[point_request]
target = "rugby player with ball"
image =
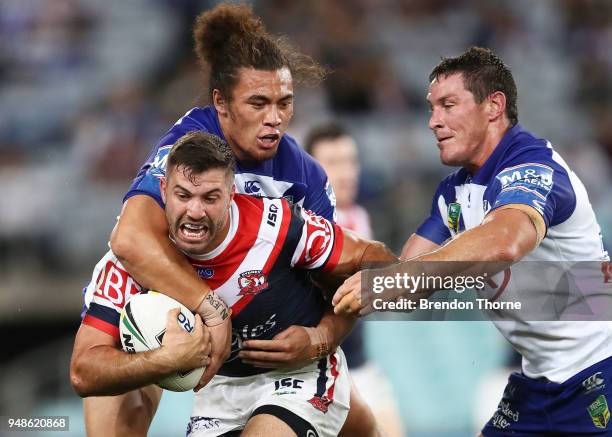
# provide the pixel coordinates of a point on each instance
(253, 252)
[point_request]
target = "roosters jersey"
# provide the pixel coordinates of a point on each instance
(526, 170)
(255, 270)
(292, 173)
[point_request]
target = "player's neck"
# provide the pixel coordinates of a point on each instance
(242, 158)
(495, 133)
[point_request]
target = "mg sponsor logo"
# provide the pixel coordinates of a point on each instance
(532, 174)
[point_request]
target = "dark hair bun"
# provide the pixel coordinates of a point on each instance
(224, 30)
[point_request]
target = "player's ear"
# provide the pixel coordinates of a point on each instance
(219, 102)
(163, 183)
(496, 105)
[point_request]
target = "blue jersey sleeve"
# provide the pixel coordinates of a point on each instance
(434, 228)
(147, 179)
(537, 180)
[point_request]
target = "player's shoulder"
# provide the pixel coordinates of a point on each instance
(293, 158)
(525, 147)
(249, 204)
(203, 119)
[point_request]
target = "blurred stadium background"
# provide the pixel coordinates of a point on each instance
(88, 86)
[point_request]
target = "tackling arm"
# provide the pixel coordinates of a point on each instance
(417, 245)
(505, 236)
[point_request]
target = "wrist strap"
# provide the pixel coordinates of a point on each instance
(319, 342)
(213, 310)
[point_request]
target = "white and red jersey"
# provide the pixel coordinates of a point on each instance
(259, 270)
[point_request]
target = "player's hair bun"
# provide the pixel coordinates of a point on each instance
(225, 29)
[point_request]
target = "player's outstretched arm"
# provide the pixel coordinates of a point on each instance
(417, 245)
(99, 368)
(505, 236)
(140, 241)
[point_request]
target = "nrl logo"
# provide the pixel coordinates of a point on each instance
(599, 412)
(252, 282)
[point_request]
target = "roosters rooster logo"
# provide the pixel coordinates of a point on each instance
(252, 282)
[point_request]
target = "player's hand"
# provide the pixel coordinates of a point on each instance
(221, 336)
(348, 298)
(186, 350)
(289, 348)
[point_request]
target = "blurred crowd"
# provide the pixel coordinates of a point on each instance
(88, 86)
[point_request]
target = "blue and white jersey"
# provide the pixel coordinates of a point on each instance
(292, 173)
(526, 170)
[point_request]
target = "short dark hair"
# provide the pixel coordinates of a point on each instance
(483, 74)
(229, 37)
(323, 132)
(197, 152)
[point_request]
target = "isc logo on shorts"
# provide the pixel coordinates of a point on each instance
(290, 385)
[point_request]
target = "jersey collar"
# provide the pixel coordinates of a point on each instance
(484, 174)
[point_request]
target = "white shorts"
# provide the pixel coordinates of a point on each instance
(318, 394)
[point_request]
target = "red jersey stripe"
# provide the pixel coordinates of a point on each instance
(225, 264)
(334, 373)
(102, 325)
(278, 245)
(334, 256)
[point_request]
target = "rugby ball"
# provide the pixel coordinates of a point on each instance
(142, 325)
